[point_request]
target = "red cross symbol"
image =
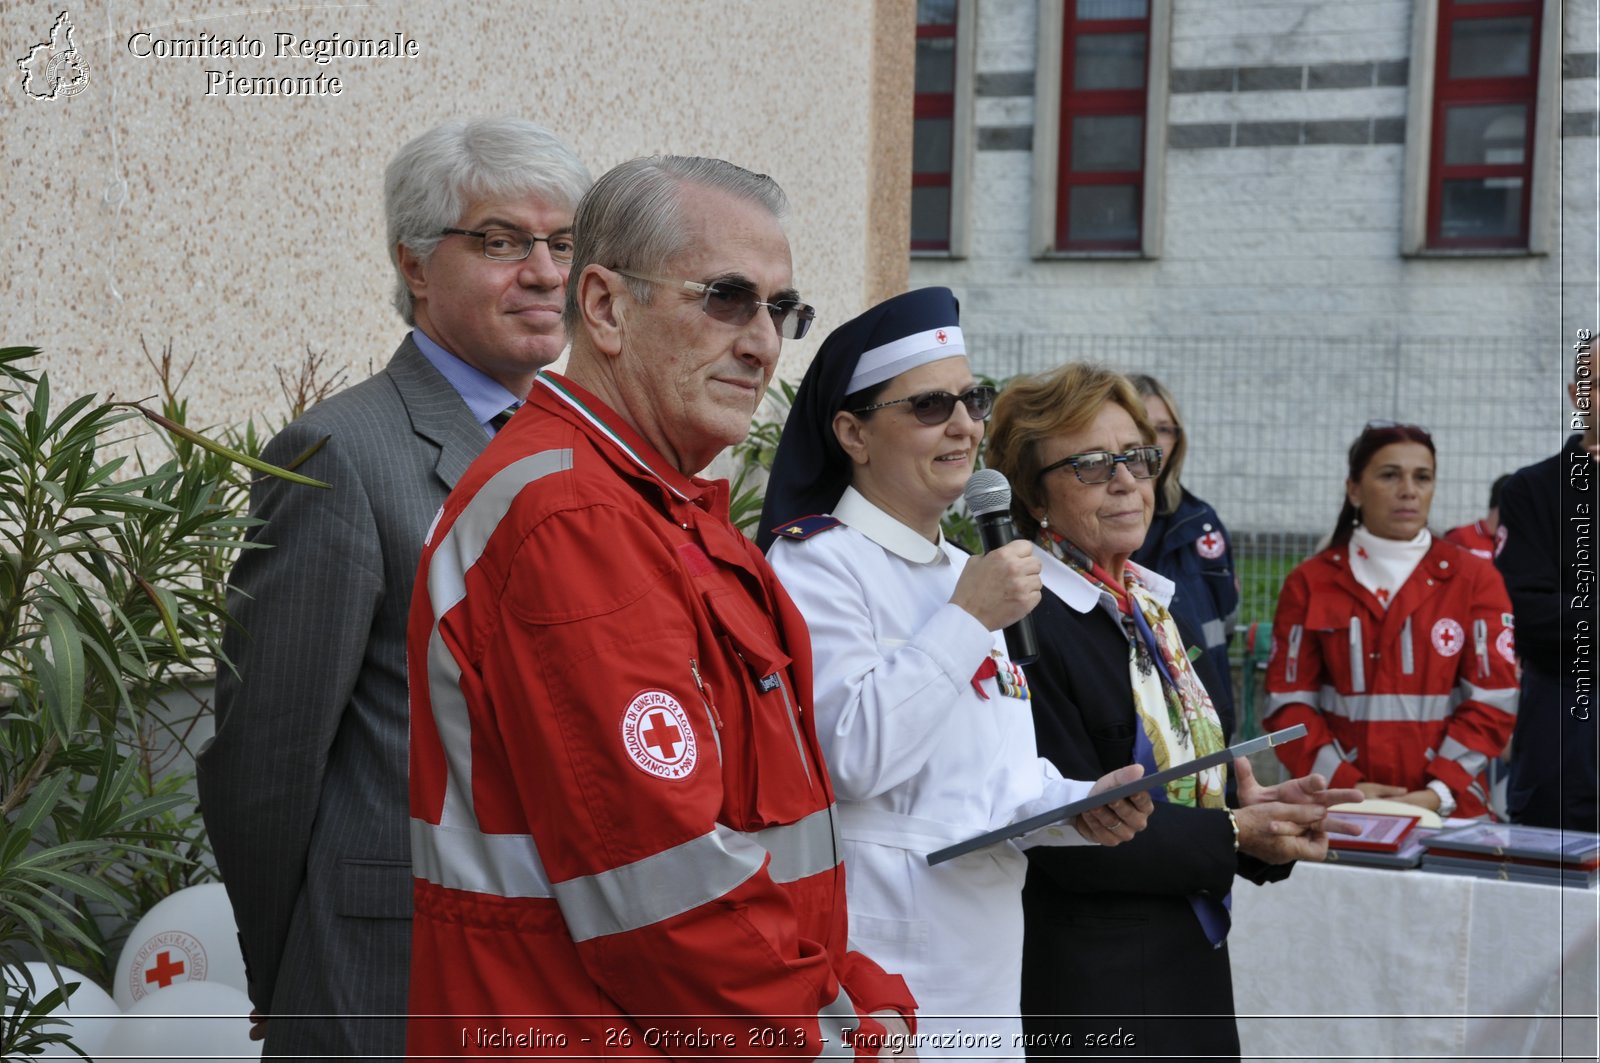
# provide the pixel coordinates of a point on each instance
(1210, 545)
(1361, 552)
(1447, 636)
(165, 971)
(941, 336)
(662, 736)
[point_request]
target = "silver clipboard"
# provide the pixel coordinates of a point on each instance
(1116, 793)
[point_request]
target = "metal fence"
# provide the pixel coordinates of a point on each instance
(1269, 421)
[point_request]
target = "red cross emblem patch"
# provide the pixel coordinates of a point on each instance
(942, 336)
(1211, 545)
(658, 736)
(1506, 643)
(167, 957)
(1448, 637)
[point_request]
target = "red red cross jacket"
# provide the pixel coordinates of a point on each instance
(620, 818)
(1424, 690)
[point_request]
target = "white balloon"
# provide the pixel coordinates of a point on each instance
(187, 937)
(89, 1011)
(207, 1020)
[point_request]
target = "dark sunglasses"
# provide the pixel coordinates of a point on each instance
(735, 304)
(1099, 466)
(935, 407)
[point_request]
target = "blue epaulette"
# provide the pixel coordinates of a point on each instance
(806, 527)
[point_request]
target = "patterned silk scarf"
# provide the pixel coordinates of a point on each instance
(1177, 720)
(1176, 714)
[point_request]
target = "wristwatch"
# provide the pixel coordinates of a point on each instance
(1447, 800)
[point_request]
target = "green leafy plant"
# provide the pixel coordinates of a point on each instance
(111, 597)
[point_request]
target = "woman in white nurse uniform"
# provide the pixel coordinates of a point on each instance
(924, 720)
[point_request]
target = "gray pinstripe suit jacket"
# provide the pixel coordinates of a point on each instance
(304, 787)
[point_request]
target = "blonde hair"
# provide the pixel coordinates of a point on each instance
(1169, 489)
(1032, 409)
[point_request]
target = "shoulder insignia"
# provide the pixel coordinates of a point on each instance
(806, 527)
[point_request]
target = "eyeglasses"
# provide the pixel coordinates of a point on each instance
(514, 245)
(1099, 466)
(736, 304)
(935, 407)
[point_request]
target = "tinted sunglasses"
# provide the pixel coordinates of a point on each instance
(1099, 466)
(735, 304)
(935, 407)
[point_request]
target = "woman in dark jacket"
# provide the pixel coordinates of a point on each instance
(1130, 939)
(1188, 544)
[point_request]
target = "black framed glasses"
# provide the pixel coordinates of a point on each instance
(1099, 466)
(736, 304)
(935, 407)
(514, 245)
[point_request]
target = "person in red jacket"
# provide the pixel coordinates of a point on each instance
(1394, 648)
(623, 831)
(1482, 536)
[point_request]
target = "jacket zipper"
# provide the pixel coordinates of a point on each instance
(794, 726)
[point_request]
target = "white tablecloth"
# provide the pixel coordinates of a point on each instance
(1343, 962)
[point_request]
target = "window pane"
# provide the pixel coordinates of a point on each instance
(1491, 48)
(1102, 143)
(930, 216)
(936, 64)
(930, 146)
(1108, 61)
(1102, 10)
(936, 12)
(1103, 212)
(1492, 135)
(1484, 208)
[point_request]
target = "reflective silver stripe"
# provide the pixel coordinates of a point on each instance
(1327, 760)
(799, 850)
(832, 1022)
(460, 549)
(1477, 791)
(1472, 762)
(1503, 699)
(1289, 697)
(1214, 633)
(1291, 667)
(502, 865)
(1387, 708)
(1358, 657)
(1480, 643)
(1408, 659)
(660, 886)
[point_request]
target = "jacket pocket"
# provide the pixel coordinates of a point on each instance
(770, 776)
(374, 889)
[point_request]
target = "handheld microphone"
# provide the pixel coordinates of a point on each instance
(988, 497)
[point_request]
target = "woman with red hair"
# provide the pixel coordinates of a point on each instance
(1393, 647)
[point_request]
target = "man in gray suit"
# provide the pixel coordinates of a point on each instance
(304, 788)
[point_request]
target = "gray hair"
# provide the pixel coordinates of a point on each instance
(428, 182)
(632, 218)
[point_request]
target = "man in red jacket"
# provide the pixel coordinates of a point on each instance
(623, 830)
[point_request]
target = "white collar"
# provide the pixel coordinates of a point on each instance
(855, 511)
(1081, 595)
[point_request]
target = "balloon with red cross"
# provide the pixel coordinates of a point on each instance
(189, 936)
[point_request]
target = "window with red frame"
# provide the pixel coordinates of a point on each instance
(933, 138)
(1104, 77)
(1486, 67)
